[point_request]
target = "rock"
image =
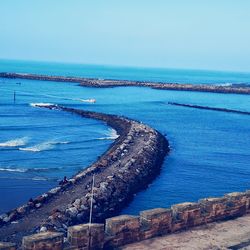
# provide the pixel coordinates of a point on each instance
(83, 207)
(72, 211)
(54, 190)
(6, 219)
(77, 203)
(22, 209)
(44, 195)
(13, 215)
(103, 186)
(43, 229)
(2, 216)
(38, 205)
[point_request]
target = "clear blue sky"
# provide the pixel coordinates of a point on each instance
(208, 34)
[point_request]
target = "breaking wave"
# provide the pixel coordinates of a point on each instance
(42, 104)
(43, 146)
(15, 142)
(112, 135)
(28, 170)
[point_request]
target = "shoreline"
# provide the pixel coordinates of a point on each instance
(104, 83)
(128, 166)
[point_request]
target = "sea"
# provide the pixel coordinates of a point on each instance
(209, 153)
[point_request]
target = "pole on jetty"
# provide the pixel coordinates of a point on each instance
(91, 210)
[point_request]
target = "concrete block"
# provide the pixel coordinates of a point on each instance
(7, 246)
(86, 236)
(124, 229)
(155, 222)
(43, 241)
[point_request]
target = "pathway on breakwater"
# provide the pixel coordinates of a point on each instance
(129, 165)
(232, 234)
(104, 83)
(210, 108)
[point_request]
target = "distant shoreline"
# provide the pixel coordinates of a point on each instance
(104, 83)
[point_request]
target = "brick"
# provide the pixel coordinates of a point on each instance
(43, 241)
(85, 235)
(7, 246)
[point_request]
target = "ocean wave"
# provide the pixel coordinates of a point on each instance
(35, 178)
(111, 135)
(44, 146)
(15, 142)
(40, 104)
(39, 147)
(38, 178)
(29, 170)
(86, 100)
(227, 84)
(18, 170)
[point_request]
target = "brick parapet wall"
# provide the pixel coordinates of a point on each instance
(125, 229)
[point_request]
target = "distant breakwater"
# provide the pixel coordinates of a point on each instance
(210, 108)
(129, 165)
(107, 83)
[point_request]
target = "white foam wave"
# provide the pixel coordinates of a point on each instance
(43, 146)
(40, 104)
(39, 147)
(111, 135)
(87, 100)
(19, 170)
(39, 179)
(15, 142)
(227, 84)
(25, 170)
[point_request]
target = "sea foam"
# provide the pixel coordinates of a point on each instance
(18, 170)
(40, 104)
(29, 170)
(43, 146)
(111, 135)
(15, 142)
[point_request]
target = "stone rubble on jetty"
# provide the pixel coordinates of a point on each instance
(130, 164)
(105, 83)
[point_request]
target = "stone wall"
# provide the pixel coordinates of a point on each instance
(125, 229)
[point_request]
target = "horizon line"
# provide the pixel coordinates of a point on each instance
(123, 66)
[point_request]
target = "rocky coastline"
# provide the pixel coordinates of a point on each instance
(107, 83)
(129, 165)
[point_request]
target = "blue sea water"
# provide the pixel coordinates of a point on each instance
(126, 73)
(209, 150)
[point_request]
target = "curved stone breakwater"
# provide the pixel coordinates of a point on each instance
(105, 83)
(130, 164)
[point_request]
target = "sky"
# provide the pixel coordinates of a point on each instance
(195, 34)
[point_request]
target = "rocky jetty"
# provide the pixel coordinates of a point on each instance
(129, 165)
(105, 83)
(210, 108)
